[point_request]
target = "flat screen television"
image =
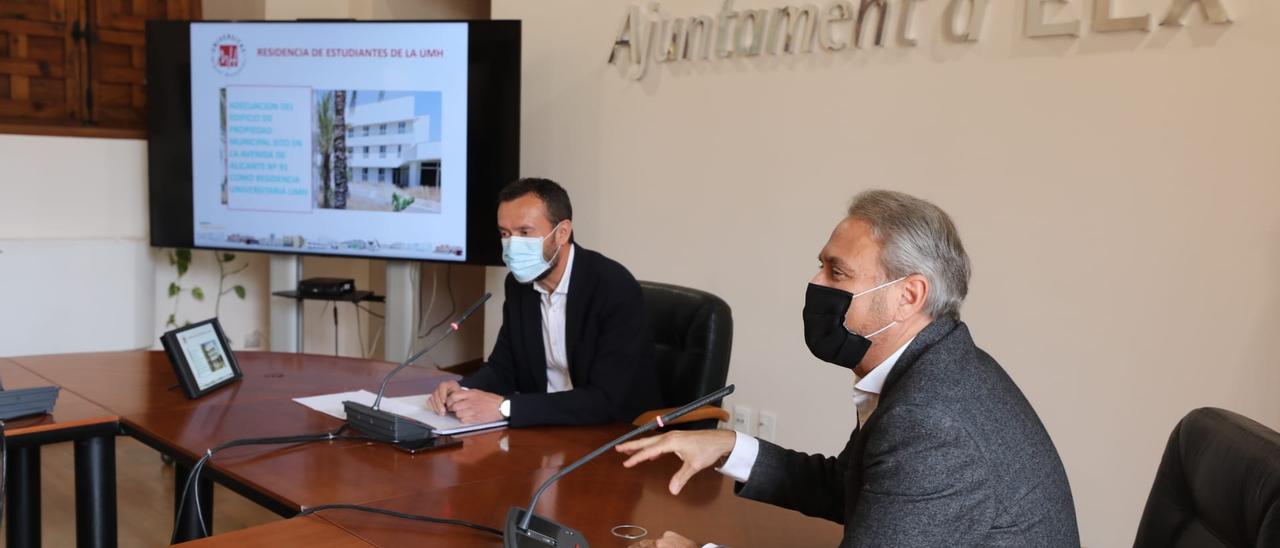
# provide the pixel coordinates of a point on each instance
(367, 139)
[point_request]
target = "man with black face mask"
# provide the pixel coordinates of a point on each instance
(947, 451)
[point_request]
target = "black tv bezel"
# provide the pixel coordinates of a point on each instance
(493, 134)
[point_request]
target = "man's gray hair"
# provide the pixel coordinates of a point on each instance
(917, 237)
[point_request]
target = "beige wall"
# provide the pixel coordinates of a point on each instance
(1117, 194)
(420, 9)
(234, 9)
(84, 228)
(73, 227)
(355, 9)
(72, 188)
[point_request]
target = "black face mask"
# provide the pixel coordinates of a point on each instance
(824, 331)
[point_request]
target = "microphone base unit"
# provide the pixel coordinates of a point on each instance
(542, 533)
(384, 426)
(21, 402)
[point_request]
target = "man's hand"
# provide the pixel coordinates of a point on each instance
(698, 450)
(475, 406)
(439, 400)
(668, 540)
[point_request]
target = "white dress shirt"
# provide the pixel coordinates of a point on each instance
(553, 343)
(866, 392)
(866, 395)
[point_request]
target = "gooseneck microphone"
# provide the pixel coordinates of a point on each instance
(524, 529)
(389, 427)
(453, 326)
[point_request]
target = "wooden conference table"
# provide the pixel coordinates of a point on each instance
(130, 392)
(93, 429)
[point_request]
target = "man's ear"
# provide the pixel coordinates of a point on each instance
(568, 231)
(911, 297)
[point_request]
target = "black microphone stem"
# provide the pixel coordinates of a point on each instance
(649, 426)
(453, 326)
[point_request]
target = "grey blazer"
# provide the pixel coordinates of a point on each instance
(954, 455)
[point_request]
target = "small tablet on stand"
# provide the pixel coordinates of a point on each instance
(201, 357)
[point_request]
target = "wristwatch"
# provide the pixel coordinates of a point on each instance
(505, 409)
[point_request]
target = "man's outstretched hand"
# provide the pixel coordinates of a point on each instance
(698, 449)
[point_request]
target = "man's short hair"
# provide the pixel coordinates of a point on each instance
(917, 237)
(553, 196)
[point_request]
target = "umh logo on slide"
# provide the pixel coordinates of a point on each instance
(227, 55)
(227, 58)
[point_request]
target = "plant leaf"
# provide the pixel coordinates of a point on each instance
(228, 257)
(399, 203)
(174, 289)
(173, 322)
(197, 293)
(184, 260)
(240, 292)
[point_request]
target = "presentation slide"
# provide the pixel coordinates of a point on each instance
(331, 138)
(206, 356)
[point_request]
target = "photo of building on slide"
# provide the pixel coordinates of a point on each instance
(377, 150)
(213, 355)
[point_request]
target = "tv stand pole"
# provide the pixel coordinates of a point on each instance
(401, 304)
(402, 300)
(286, 314)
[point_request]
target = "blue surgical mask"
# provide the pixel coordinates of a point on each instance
(523, 256)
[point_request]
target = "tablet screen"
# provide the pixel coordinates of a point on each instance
(205, 355)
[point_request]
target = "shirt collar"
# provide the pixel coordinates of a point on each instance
(563, 288)
(874, 381)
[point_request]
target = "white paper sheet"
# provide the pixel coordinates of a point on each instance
(414, 407)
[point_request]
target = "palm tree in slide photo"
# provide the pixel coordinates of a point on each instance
(324, 137)
(222, 123)
(340, 174)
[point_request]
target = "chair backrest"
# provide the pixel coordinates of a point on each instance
(693, 335)
(1218, 485)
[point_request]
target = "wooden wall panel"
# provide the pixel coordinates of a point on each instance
(74, 64)
(118, 71)
(40, 61)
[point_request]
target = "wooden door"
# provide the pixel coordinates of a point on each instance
(41, 53)
(117, 70)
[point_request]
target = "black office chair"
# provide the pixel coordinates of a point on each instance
(1218, 485)
(693, 335)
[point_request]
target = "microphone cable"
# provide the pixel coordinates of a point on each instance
(402, 515)
(192, 485)
(4, 469)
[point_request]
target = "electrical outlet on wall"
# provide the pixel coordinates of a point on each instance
(253, 340)
(743, 420)
(767, 428)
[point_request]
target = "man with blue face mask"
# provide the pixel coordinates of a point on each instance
(946, 450)
(575, 346)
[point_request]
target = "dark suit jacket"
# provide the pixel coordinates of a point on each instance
(607, 340)
(952, 456)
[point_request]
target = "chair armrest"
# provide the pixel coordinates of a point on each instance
(705, 412)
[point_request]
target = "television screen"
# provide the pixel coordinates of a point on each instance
(373, 139)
